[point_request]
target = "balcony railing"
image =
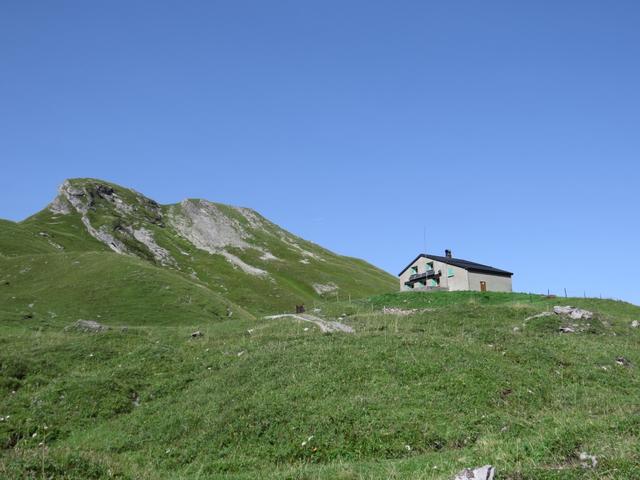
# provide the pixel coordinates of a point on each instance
(420, 276)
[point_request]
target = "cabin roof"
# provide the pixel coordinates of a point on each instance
(459, 262)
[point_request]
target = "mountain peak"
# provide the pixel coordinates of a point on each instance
(233, 250)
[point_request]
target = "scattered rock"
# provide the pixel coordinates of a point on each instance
(623, 362)
(588, 461)
(401, 312)
(268, 256)
(89, 326)
(634, 324)
(481, 473)
(321, 289)
(326, 326)
(573, 312)
(567, 330)
(197, 334)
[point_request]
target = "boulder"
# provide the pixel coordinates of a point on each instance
(89, 326)
(588, 461)
(634, 324)
(623, 362)
(481, 473)
(197, 334)
(573, 312)
(567, 330)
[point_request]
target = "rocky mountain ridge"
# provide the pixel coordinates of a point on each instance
(233, 250)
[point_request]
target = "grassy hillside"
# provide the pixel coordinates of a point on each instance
(53, 290)
(441, 382)
(17, 240)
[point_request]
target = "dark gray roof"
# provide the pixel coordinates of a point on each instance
(459, 262)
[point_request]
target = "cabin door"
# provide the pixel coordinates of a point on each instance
(483, 286)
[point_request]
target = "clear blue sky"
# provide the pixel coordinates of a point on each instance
(511, 130)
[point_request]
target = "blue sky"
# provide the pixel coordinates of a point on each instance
(509, 130)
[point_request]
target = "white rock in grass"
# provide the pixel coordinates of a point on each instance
(481, 473)
(573, 312)
(588, 461)
(635, 324)
(90, 326)
(567, 330)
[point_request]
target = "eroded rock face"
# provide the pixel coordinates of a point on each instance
(60, 206)
(206, 227)
(85, 197)
(209, 229)
(125, 221)
(161, 255)
(71, 197)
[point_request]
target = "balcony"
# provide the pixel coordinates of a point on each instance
(423, 276)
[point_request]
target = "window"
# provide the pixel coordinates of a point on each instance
(450, 272)
(430, 266)
(414, 270)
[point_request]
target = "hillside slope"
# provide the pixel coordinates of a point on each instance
(235, 252)
(54, 290)
(428, 384)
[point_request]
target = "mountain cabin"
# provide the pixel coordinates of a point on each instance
(433, 272)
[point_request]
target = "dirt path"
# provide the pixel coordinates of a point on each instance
(324, 325)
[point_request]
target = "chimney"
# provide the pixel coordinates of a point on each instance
(447, 253)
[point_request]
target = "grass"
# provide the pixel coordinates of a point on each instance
(464, 383)
(48, 291)
(445, 381)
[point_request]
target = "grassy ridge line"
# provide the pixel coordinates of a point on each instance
(417, 396)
